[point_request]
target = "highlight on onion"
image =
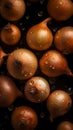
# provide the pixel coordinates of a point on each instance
(63, 40)
(65, 125)
(24, 118)
(59, 103)
(39, 37)
(10, 34)
(37, 89)
(60, 9)
(12, 10)
(8, 91)
(22, 64)
(54, 64)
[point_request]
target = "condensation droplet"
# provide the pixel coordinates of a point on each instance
(30, 73)
(25, 75)
(46, 55)
(40, 46)
(11, 108)
(70, 91)
(54, 29)
(40, 14)
(31, 32)
(27, 17)
(21, 24)
(41, 1)
(23, 29)
(56, 94)
(42, 114)
(53, 87)
(61, 3)
(42, 93)
(46, 62)
(52, 81)
(31, 82)
(39, 100)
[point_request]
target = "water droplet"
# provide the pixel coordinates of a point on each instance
(61, 3)
(46, 62)
(70, 91)
(11, 108)
(21, 24)
(42, 114)
(54, 29)
(56, 94)
(42, 93)
(40, 46)
(41, 1)
(30, 73)
(23, 29)
(52, 81)
(53, 68)
(53, 87)
(46, 55)
(40, 14)
(39, 100)
(31, 83)
(31, 32)
(25, 75)
(27, 17)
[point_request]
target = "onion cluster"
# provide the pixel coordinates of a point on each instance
(30, 57)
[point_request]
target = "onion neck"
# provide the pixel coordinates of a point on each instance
(68, 72)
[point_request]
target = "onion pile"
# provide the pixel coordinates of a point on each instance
(36, 68)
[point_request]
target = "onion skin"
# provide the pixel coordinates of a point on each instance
(24, 118)
(63, 40)
(22, 64)
(8, 91)
(65, 125)
(54, 64)
(60, 10)
(37, 89)
(39, 37)
(10, 34)
(12, 10)
(58, 103)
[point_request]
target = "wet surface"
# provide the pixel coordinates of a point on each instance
(35, 13)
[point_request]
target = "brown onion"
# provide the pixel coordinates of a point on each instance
(60, 9)
(65, 125)
(37, 89)
(22, 64)
(39, 36)
(53, 64)
(63, 40)
(10, 34)
(24, 118)
(8, 91)
(58, 103)
(12, 10)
